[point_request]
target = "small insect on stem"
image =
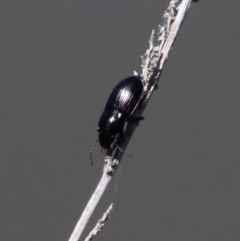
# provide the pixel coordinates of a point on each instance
(120, 106)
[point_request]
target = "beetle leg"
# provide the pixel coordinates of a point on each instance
(123, 150)
(136, 118)
(119, 138)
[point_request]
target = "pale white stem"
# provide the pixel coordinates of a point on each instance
(174, 29)
(153, 62)
(91, 206)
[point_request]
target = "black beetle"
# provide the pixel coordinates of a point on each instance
(119, 108)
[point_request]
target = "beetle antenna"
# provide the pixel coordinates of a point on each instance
(93, 148)
(123, 150)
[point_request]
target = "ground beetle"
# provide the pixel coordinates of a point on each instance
(119, 108)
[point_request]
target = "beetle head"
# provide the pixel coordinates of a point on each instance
(106, 139)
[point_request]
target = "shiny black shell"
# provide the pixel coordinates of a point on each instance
(121, 103)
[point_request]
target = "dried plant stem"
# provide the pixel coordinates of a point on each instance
(90, 207)
(153, 62)
(100, 224)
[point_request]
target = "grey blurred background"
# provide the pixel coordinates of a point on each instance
(59, 62)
